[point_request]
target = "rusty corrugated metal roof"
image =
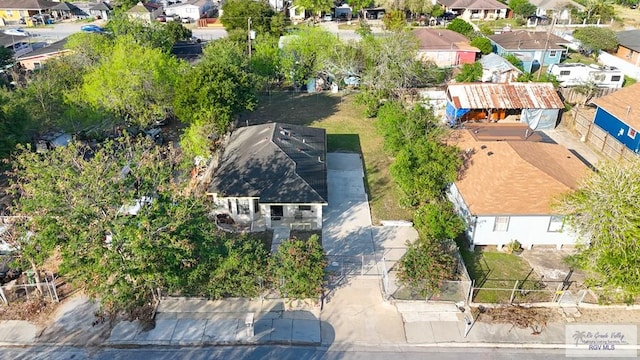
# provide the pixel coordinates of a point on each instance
(504, 96)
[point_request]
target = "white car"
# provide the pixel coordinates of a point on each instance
(327, 17)
(16, 32)
(187, 20)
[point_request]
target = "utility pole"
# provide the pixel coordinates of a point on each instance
(249, 35)
(546, 46)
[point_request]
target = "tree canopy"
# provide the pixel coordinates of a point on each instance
(522, 8)
(315, 6)
(596, 38)
(236, 13)
(460, 26)
(470, 72)
(484, 44)
(147, 93)
(605, 211)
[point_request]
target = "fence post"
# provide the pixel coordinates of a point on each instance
(470, 294)
(4, 298)
(513, 292)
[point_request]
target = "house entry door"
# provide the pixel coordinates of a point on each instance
(277, 212)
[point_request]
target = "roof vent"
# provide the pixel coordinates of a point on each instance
(490, 153)
(483, 147)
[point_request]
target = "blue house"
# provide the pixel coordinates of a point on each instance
(619, 115)
(530, 47)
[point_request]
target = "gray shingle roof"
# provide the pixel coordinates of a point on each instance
(278, 163)
(629, 39)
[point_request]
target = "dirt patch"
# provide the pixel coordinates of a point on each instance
(518, 316)
(35, 309)
(604, 316)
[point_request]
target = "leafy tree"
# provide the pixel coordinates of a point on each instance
(599, 10)
(265, 61)
(425, 265)
(437, 10)
(394, 20)
(300, 264)
(217, 88)
(146, 94)
(484, 44)
(14, 122)
(146, 34)
(358, 5)
(314, 6)
(544, 77)
(423, 169)
(514, 60)
(470, 73)
(596, 38)
(87, 49)
(522, 8)
(460, 26)
(306, 53)
(236, 13)
(604, 211)
(400, 126)
(177, 32)
(437, 220)
(345, 60)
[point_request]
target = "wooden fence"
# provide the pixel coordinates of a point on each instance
(570, 95)
(600, 139)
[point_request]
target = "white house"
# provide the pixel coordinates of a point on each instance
(559, 9)
(273, 175)
(476, 9)
(297, 13)
(509, 184)
(146, 12)
(192, 9)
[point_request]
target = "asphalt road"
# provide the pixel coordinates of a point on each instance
(278, 352)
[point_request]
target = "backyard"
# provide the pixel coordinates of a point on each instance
(347, 130)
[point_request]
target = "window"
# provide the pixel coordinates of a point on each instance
(553, 53)
(243, 206)
(9, 14)
(555, 224)
(631, 133)
(501, 224)
(615, 78)
(565, 73)
(304, 207)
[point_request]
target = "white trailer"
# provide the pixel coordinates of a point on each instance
(574, 74)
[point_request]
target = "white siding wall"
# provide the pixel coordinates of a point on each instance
(186, 11)
(528, 230)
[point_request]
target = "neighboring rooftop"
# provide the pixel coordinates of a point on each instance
(529, 40)
(473, 4)
(623, 104)
(629, 39)
(556, 4)
(515, 177)
(52, 48)
(144, 8)
(442, 40)
(278, 163)
(504, 96)
(101, 6)
(497, 62)
(27, 4)
(189, 2)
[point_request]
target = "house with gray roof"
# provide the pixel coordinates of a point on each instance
(273, 175)
(476, 9)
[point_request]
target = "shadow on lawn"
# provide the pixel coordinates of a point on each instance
(291, 108)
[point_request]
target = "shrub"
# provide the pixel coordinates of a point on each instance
(483, 44)
(438, 221)
(425, 265)
(300, 265)
(460, 26)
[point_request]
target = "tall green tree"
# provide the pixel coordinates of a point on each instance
(306, 53)
(605, 211)
(236, 14)
(596, 38)
(425, 265)
(177, 32)
(144, 33)
(314, 6)
(470, 72)
(147, 93)
(394, 20)
(483, 44)
(522, 8)
(400, 126)
(460, 26)
(212, 92)
(423, 169)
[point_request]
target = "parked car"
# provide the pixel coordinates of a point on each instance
(92, 28)
(187, 20)
(42, 19)
(161, 18)
(16, 32)
(327, 17)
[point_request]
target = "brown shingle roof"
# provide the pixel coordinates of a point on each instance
(518, 178)
(442, 40)
(26, 4)
(504, 96)
(528, 40)
(473, 4)
(621, 101)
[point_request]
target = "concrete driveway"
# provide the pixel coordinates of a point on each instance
(346, 223)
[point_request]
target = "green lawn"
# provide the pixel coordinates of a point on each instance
(347, 130)
(576, 57)
(492, 269)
